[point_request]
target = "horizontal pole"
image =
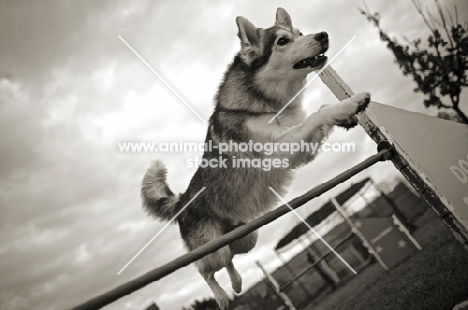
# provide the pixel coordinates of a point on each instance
(239, 232)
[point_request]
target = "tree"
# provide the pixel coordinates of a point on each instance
(439, 66)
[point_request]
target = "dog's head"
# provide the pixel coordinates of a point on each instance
(282, 49)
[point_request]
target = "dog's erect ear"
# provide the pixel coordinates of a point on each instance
(250, 37)
(248, 33)
(283, 19)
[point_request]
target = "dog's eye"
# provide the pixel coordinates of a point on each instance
(282, 41)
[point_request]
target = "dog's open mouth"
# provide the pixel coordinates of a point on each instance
(311, 62)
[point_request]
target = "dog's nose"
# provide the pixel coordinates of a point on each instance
(321, 36)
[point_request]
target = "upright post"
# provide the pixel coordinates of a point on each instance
(272, 281)
(356, 231)
(404, 230)
(327, 273)
(285, 264)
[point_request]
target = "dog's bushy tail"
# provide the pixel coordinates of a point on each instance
(158, 200)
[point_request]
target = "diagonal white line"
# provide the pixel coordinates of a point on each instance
(311, 80)
(162, 79)
(159, 232)
(313, 230)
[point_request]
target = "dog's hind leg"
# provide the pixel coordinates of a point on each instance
(208, 265)
(236, 279)
(244, 244)
(221, 297)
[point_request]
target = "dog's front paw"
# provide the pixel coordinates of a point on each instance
(348, 123)
(346, 117)
(361, 101)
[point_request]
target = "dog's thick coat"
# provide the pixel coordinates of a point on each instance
(267, 73)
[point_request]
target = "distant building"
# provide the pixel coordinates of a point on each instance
(152, 306)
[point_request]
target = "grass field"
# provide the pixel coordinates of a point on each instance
(434, 279)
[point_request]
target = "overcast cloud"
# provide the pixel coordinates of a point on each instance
(70, 90)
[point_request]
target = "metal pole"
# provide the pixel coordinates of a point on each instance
(385, 152)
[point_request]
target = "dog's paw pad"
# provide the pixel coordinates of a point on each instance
(348, 123)
(237, 286)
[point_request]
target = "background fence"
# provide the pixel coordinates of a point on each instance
(301, 278)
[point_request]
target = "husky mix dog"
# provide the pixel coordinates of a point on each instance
(268, 72)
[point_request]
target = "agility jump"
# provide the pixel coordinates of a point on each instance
(448, 202)
(417, 138)
(385, 152)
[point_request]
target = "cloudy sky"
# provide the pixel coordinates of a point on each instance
(70, 90)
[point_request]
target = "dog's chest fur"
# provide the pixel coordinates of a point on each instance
(243, 194)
